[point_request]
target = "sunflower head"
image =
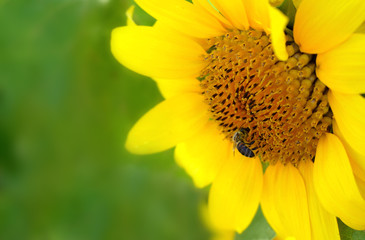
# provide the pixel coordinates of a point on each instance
(282, 104)
(235, 76)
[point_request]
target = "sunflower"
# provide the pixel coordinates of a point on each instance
(243, 91)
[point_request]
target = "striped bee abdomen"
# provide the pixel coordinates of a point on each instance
(244, 150)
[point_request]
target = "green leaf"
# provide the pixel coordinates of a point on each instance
(288, 8)
(348, 233)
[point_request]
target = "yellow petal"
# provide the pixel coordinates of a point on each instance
(349, 112)
(284, 202)
(172, 87)
(335, 184)
(129, 13)
(343, 69)
(287, 238)
(323, 224)
(168, 123)
(224, 235)
(278, 23)
(234, 11)
(203, 155)
(276, 3)
(217, 234)
(321, 25)
(357, 160)
(183, 16)
(361, 186)
(258, 14)
(235, 193)
(205, 5)
(168, 31)
(153, 53)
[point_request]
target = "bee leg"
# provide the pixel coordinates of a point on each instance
(234, 148)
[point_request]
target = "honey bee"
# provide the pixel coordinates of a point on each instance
(240, 143)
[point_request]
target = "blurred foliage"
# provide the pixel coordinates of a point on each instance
(66, 106)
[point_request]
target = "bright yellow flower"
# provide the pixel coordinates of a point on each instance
(231, 76)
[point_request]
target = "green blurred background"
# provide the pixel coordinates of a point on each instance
(66, 106)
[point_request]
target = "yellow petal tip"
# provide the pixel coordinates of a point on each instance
(129, 13)
(278, 22)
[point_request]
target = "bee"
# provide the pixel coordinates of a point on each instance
(239, 143)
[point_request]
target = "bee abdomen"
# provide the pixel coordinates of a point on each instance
(244, 150)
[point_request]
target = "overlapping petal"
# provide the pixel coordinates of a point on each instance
(343, 69)
(361, 186)
(357, 160)
(203, 155)
(323, 224)
(155, 53)
(335, 184)
(258, 14)
(183, 16)
(278, 22)
(284, 202)
(234, 11)
(168, 123)
(172, 87)
(321, 25)
(208, 7)
(129, 13)
(349, 112)
(235, 193)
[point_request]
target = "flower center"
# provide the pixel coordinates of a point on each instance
(280, 108)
